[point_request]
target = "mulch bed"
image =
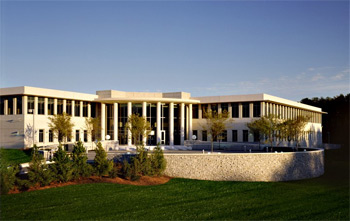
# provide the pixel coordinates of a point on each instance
(143, 181)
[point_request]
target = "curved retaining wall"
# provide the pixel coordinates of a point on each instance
(246, 166)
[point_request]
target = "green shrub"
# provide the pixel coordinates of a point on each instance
(158, 161)
(115, 171)
(102, 165)
(126, 170)
(142, 165)
(7, 174)
(79, 158)
(62, 168)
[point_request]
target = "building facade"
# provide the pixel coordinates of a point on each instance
(174, 117)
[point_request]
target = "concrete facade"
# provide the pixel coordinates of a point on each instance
(174, 117)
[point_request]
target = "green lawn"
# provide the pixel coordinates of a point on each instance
(15, 156)
(326, 198)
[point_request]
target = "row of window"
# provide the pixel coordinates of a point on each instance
(51, 136)
(223, 137)
(224, 107)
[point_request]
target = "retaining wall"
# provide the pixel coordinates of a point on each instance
(246, 166)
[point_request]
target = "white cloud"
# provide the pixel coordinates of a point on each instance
(317, 77)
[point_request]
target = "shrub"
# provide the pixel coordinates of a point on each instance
(126, 170)
(79, 158)
(101, 164)
(158, 161)
(141, 163)
(62, 168)
(7, 174)
(115, 171)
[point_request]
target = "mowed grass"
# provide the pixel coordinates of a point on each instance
(15, 156)
(326, 198)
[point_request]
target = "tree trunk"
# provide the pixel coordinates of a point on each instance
(212, 145)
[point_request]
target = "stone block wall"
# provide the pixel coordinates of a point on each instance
(246, 166)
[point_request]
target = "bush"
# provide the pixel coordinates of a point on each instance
(158, 161)
(7, 174)
(115, 171)
(142, 165)
(126, 170)
(62, 168)
(102, 165)
(79, 158)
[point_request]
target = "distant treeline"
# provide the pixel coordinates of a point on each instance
(336, 121)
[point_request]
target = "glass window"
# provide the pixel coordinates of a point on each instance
(223, 136)
(234, 136)
(204, 110)
(50, 106)
(77, 109)
(245, 109)
(59, 106)
(50, 136)
(85, 136)
(69, 107)
(214, 108)
(195, 111)
(85, 109)
(195, 132)
(77, 135)
(256, 109)
(30, 105)
(19, 105)
(2, 105)
(224, 107)
(256, 136)
(41, 105)
(109, 120)
(10, 106)
(137, 109)
(204, 135)
(235, 110)
(41, 136)
(93, 109)
(245, 135)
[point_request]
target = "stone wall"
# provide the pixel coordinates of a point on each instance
(246, 166)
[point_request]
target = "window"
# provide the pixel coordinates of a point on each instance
(256, 109)
(2, 105)
(224, 107)
(204, 135)
(41, 136)
(245, 135)
(41, 105)
(30, 105)
(256, 137)
(195, 111)
(136, 109)
(50, 136)
(19, 105)
(235, 110)
(10, 106)
(195, 132)
(50, 106)
(245, 109)
(223, 136)
(69, 107)
(214, 108)
(93, 109)
(110, 120)
(59, 106)
(234, 136)
(85, 109)
(77, 109)
(85, 136)
(77, 135)
(204, 110)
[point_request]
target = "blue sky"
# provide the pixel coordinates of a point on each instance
(284, 48)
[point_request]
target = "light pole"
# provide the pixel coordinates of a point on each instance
(33, 131)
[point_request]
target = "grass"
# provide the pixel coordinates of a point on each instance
(326, 198)
(15, 156)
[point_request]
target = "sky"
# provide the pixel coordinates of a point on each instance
(290, 49)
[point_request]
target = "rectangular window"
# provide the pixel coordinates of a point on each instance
(30, 105)
(235, 110)
(93, 109)
(204, 110)
(245, 135)
(223, 136)
(85, 136)
(256, 137)
(195, 111)
(245, 109)
(69, 107)
(41, 105)
(19, 105)
(10, 106)
(59, 106)
(41, 136)
(204, 135)
(224, 107)
(214, 108)
(256, 109)
(77, 135)
(69, 138)
(85, 109)
(234, 136)
(50, 136)
(2, 105)
(50, 106)
(195, 133)
(77, 109)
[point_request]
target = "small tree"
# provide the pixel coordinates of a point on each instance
(7, 174)
(62, 167)
(61, 126)
(80, 166)
(139, 128)
(158, 161)
(215, 124)
(293, 128)
(101, 164)
(93, 125)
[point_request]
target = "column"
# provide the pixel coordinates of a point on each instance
(182, 124)
(46, 100)
(158, 122)
(73, 108)
(129, 132)
(190, 122)
(115, 121)
(14, 101)
(144, 114)
(200, 116)
(25, 105)
(64, 105)
(103, 121)
(55, 106)
(36, 105)
(251, 108)
(230, 109)
(89, 110)
(240, 110)
(219, 108)
(171, 123)
(262, 109)
(6, 104)
(81, 108)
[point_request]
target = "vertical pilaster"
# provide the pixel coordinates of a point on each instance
(89, 110)
(103, 121)
(81, 108)
(158, 122)
(55, 106)
(73, 108)
(219, 108)
(14, 101)
(262, 109)
(200, 115)
(144, 115)
(251, 107)
(182, 124)
(25, 105)
(36, 105)
(171, 123)
(64, 105)
(46, 100)
(230, 109)
(240, 110)
(129, 132)
(6, 104)
(115, 121)
(190, 122)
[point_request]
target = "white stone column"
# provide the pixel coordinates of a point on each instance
(14, 102)
(240, 110)
(129, 132)
(144, 115)
(103, 121)
(64, 105)
(115, 121)
(81, 108)
(262, 109)
(55, 106)
(46, 100)
(6, 106)
(200, 115)
(73, 108)
(89, 110)
(251, 110)
(25, 105)
(36, 105)
(158, 122)
(230, 109)
(190, 122)
(182, 124)
(171, 123)
(219, 108)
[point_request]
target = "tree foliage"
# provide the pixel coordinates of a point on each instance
(62, 167)
(215, 124)
(139, 128)
(7, 174)
(61, 126)
(102, 165)
(158, 161)
(92, 125)
(79, 158)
